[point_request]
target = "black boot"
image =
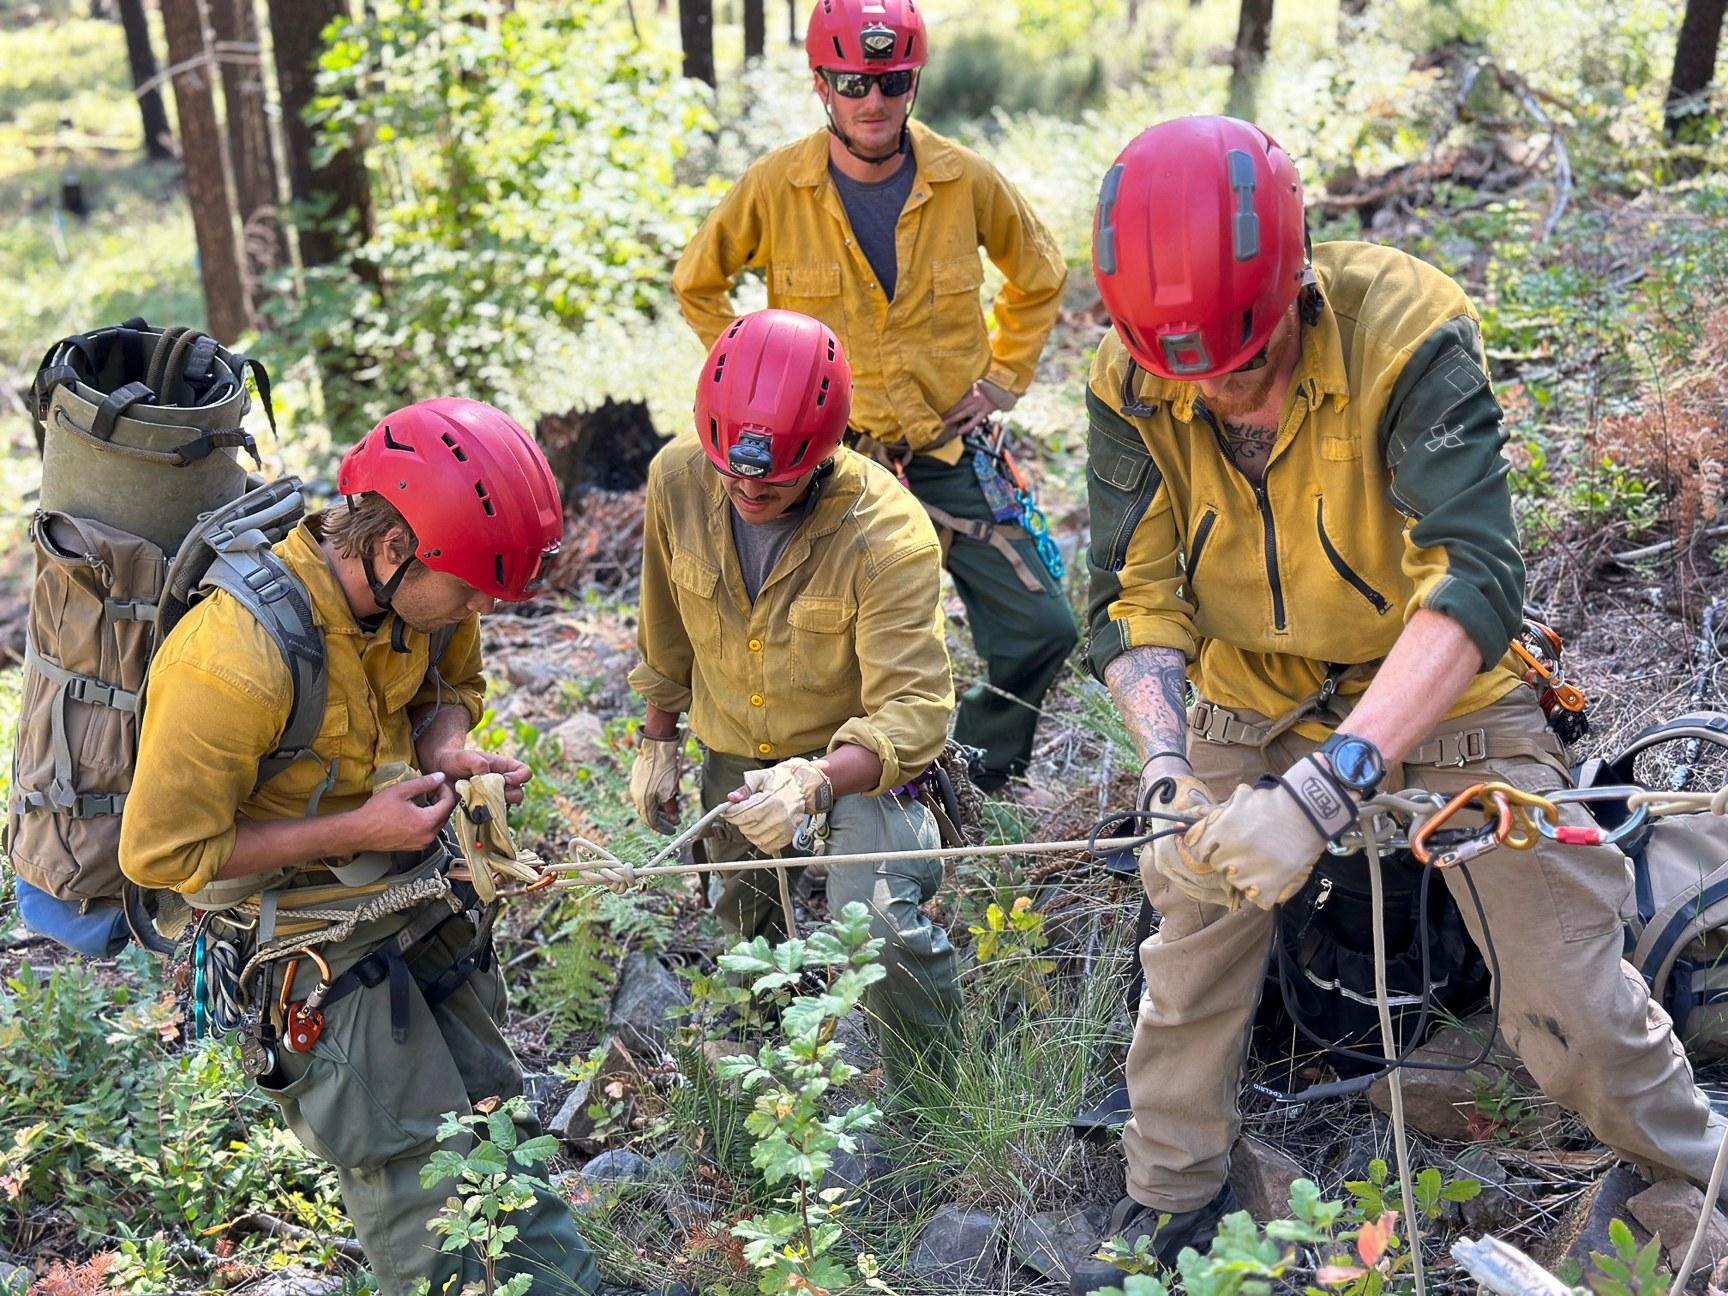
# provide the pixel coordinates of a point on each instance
(1131, 1221)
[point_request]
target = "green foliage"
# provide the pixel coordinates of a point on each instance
(492, 1182)
(984, 71)
(1009, 948)
(791, 1080)
(525, 188)
(139, 1143)
(1630, 1271)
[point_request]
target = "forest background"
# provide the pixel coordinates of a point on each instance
(389, 199)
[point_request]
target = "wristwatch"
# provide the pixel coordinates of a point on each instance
(1356, 762)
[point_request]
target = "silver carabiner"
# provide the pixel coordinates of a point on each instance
(1593, 834)
(812, 835)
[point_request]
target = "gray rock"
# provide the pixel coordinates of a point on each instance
(16, 1275)
(1670, 1210)
(294, 1282)
(958, 1246)
(582, 738)
(1494, 1207)
(647, 991)
(573, 1123)
(1262, 1175)
(620, 1165)
(1586, 1228)
(1051, 1243)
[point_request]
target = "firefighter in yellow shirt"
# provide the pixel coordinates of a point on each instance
(873, 226)
(791, 605)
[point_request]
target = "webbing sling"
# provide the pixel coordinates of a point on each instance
(62, 796)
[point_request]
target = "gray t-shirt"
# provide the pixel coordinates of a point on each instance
(874, 210)
(760, 545)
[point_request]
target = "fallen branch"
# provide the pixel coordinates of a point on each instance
(259, 1222)
(1502, 1268)
(1663, 546)
(1519, 89)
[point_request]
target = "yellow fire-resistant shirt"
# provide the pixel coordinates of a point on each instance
(913, 357)
(1385, 492)
(219, 699)
(843, 644)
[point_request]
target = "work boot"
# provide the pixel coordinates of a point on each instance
(1131, 1221)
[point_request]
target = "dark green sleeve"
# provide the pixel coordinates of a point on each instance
(1121, 481)
(1441, 439)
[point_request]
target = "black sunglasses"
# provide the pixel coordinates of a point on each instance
(856, 85)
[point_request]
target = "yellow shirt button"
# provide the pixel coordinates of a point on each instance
(755, 645)
(756, 699)
(767, 749)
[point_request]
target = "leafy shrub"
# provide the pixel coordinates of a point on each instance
(523, 169)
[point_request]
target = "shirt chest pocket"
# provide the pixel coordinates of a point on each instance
(811, 288)
(697, 583)
(956, 315)
(822, 641)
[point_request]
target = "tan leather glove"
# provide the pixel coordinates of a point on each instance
(654, 780)
(785, 794)
(485, 838)
(1265, 839)
(1179, 794)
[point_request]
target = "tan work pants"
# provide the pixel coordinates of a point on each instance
(1578, 1016)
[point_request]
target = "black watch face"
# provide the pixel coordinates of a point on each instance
(1356, 763)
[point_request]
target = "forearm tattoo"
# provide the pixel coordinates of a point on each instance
(1150, 686)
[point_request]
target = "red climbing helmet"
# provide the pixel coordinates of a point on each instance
(472, 485)
(1199, 244)
(866, 36)
(774, 396)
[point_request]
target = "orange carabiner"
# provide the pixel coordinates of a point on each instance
(1501, 819)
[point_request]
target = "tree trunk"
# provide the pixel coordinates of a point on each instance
(297, 31)
(793, 35)
(755, 29)
(206, 178)
(251, 156)
(1686, 114)
(1253, 39)
(696, 28)
(143, 61)
(1348, 12)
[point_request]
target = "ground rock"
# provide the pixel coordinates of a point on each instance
(958, 1246)
(1494, 1207)
(647, 991)
(582, 737)
(1670, 1210)
(1440, 1103)
(1586, 1228)
(294, 1282)
(16, 1275)
(1051, 1243)
(573, 1124)
(1261, 1175)
(620, 1165)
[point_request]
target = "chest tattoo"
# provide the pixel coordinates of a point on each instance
(1249, 446)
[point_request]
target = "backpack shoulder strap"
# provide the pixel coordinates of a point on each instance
(1675, 925)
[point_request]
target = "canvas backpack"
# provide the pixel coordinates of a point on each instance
(144, 507)
(1677, 932)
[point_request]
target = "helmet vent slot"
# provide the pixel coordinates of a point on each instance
(498, 567)
(485, 499)
(391, 443)
(822, 396)
(803, 449)
(455, 449)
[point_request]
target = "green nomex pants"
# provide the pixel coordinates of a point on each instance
(1024, 638)
(916, 1007)
(371, 1107)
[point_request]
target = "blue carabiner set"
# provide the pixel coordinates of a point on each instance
(1010, 496)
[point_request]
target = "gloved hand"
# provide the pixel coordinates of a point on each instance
(780, 796)
(654, 781)
(1265, 839)
(485, 838)
(1178, 794)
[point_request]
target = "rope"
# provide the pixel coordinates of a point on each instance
(342, 922)
(1394, 1077)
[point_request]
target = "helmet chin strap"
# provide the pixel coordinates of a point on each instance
(383, 592)
(901, 145)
